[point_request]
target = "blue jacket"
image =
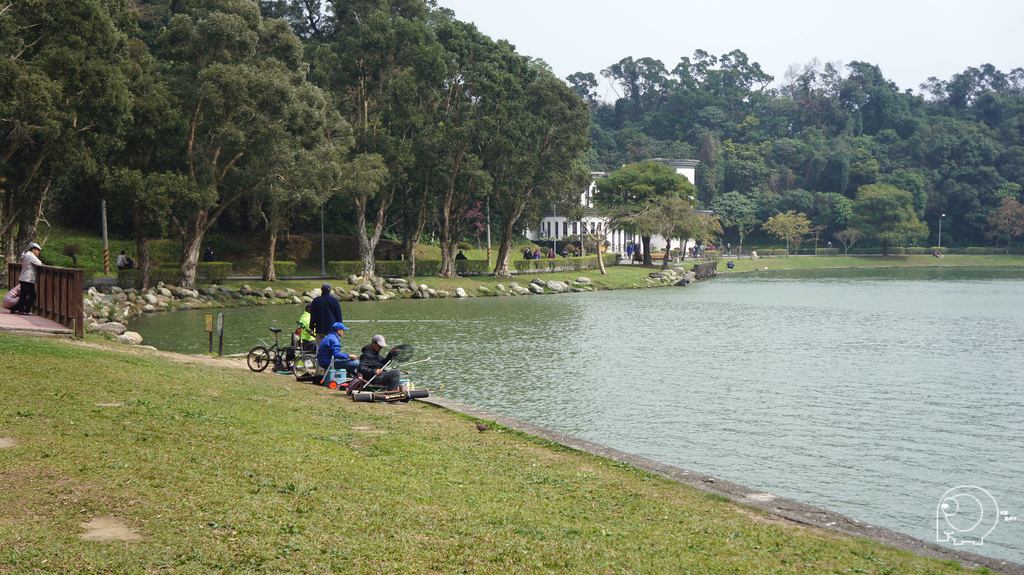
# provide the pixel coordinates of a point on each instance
(323, 312)
(330, 347)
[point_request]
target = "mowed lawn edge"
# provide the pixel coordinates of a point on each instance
(126, 461)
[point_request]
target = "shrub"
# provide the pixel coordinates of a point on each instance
(976, 251)
(344, 269)
(428, 267)
(285, 268)
(208, 272)
(465, 246)
(393, 269)
(72, 251)
(522, 265)
(472, 267)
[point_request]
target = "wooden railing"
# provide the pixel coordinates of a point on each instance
(58, 295)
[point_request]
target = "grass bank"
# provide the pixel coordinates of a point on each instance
(832, 262)
(199, 466)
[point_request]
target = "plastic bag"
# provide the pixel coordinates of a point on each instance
(12, 297)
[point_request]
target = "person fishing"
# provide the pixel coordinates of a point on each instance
(330, 349)
(371, 364)
(306, 339)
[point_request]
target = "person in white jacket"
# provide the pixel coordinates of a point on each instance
(29, 263)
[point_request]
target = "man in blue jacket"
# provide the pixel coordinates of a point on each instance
(324, 312)
(330, 348)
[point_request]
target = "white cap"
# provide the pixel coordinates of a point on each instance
(379, 340)
(35, 246)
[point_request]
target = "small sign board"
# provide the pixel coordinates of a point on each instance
(209, 322)
(220, 324)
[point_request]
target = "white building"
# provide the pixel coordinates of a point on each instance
(553, 226)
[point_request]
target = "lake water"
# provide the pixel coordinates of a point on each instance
(869, 392)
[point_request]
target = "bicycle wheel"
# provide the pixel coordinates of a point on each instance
(258, 359)
(304, 366)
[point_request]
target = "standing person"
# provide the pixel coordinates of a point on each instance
(536, 254)
(629, 252)
(122, 261)
(371, 364)
(307, 341)
(324, 311)
(207, 255)
(551, 254)
(527, 254)
(30, 262)
(330, 349)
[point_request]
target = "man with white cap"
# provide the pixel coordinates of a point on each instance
(29, 262)
(371, 365)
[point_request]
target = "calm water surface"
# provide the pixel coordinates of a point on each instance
(867, 392)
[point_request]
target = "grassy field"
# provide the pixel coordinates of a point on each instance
(200, 466)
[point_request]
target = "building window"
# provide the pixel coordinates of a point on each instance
(575, 228)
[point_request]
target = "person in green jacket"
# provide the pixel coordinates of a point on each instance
(308, 341)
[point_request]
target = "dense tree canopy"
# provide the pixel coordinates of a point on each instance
(400, 120)
(819, 135)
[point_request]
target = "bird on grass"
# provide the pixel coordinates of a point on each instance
(481, 427)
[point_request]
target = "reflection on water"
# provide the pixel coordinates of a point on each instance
(870, 392)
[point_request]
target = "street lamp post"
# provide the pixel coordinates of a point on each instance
(940, 228)
(554, 222)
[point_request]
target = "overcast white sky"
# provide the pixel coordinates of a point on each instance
(909, 40)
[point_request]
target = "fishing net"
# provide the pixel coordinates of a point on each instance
(401, 353)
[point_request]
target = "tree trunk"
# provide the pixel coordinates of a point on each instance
(368, 244)
(668, 251)
(191, 244)
(885, 248)
(646, 241)
(505, 242)
(269, 273)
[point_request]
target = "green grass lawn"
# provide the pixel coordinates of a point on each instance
(818, 262)
(220, 470)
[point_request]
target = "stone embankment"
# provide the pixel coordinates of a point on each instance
(108, 308)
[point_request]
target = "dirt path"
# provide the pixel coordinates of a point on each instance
(237, 362)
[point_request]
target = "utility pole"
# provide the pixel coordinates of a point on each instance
(106, 247)
(488, 231)
(323, 263)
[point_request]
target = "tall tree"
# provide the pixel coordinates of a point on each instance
(630, 193)
(1007, 220)
(240, 81)
(533, 151)
(64, 101)
(790, 226)
(385, 68)
(886, 214)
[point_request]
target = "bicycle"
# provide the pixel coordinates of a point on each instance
(305, 365)
(263, 355)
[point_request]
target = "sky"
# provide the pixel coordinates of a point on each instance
(909, 40)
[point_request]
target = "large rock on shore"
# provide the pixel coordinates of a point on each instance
(111, 327)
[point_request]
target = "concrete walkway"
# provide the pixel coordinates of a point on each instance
(30, 325)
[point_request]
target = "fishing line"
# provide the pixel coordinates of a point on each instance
(476, 401)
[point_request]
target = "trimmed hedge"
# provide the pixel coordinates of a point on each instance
(210, 272)
(283, 269)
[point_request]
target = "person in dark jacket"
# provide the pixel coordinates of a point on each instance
(371, 364)
(324, 312)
